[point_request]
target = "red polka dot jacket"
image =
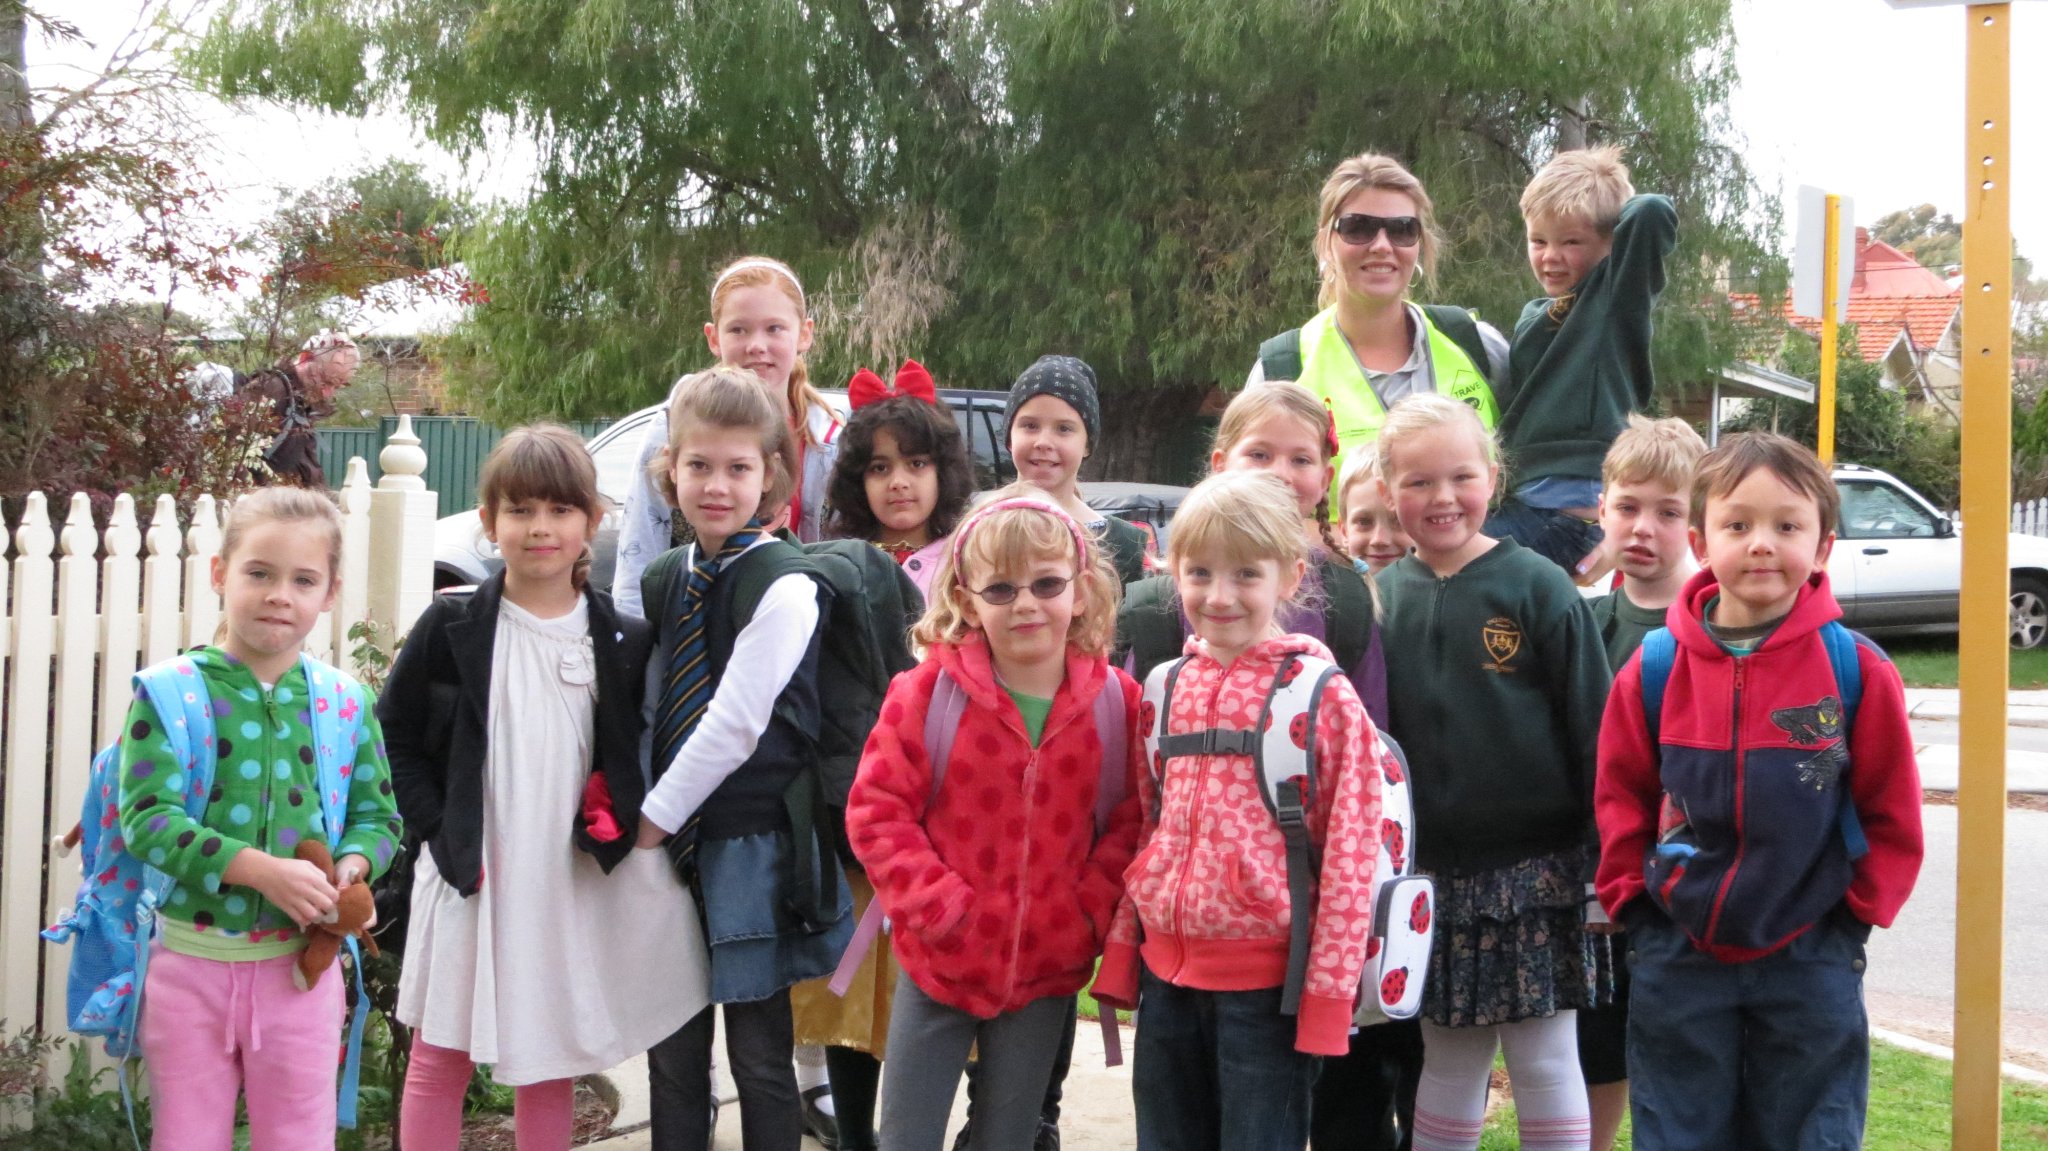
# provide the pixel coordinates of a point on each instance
(997, 890)
(1209, 884)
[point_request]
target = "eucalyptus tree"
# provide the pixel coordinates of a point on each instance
(980, 181)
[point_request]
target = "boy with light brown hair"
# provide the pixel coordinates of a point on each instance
(1579, 363)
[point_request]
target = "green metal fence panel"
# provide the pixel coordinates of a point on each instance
(455, 447)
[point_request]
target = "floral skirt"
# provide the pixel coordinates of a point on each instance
(1511, 943)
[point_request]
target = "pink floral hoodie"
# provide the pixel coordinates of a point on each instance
(1205, 901)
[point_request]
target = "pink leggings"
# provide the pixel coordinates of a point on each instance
(430, 1118)
(211, 1028)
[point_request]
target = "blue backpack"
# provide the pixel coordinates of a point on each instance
(1660, 651)
(114, 917)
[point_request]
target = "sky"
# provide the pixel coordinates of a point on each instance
(1854, 96)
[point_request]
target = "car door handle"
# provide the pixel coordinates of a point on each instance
(1877, 551)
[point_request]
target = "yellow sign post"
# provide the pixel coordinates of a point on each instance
(1830, 334)
(1986, 614)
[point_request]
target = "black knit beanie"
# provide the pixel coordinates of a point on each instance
(1066, 378)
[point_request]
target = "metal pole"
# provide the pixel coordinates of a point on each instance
(1986, 503)
(1830, 293)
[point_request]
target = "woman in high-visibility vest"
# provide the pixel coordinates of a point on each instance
(1366, 349)
(1375, 236)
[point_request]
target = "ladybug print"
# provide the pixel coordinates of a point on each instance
(1418, 914)
(1390, 769)
(1394, 986)
(1287, 675)
(1395, 841)
(1266, 723)
(1148, 715)
(1372, 948)
(1298, 731)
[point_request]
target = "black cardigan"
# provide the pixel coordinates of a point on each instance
(433, 710)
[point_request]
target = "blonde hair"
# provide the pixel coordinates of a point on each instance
(763, 272)
(1370, 170)
(1424, 412)
(1363, 464)
(726, 398)
(284, 505)
(1587, 184)
(1662, 451)
(1012, 539)
(1248, 516)
(545, 462)
(1249, 408)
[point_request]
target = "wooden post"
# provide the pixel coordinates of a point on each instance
(28, 734)
(402, 515)
(1986, 501)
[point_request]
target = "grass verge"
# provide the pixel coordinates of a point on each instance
(1932, 662)
(1909, 1108)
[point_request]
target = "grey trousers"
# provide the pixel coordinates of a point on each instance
(928, 1046)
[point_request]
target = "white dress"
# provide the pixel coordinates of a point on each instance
(552, 968)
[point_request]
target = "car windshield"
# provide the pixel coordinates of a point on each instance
(615, 451)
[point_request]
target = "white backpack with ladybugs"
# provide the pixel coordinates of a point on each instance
(1282, 748)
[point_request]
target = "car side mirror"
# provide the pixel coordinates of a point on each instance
(1944, 528)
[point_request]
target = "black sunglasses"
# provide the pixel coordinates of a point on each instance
(1359, 228)
(1044, 587)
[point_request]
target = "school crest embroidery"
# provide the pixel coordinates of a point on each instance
(1811, 725)
(1503, 640)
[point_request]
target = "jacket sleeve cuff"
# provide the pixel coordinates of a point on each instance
(1323, 1026)
(1116, 981)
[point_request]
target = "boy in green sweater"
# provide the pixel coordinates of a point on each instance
(1580, 359)
(1645, 505)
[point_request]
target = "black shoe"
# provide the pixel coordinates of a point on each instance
(1048, 1137)
(817, 1124)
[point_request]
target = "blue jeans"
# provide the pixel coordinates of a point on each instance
(1556, 536)
(1217, 1071)
(1774, 1053)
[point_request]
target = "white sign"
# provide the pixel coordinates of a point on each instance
(1809, 239)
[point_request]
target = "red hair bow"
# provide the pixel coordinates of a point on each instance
(911, 380)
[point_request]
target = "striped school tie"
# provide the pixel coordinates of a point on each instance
(686, 688)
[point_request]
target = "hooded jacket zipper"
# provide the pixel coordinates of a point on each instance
(1741, 797)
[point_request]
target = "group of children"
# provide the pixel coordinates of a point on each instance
(1079, 773)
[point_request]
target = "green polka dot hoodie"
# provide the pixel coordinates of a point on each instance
(265, 795)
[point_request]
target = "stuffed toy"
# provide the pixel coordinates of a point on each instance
(353, 914)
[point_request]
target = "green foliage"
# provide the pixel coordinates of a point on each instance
(1874, 425)
(1935, 240)
(981, 183)
(83, 1112)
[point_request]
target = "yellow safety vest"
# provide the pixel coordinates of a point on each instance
(1330, 371)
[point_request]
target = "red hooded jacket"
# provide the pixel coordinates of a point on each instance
(998, 892)
(1746, 779)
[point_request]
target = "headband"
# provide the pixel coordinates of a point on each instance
(911, 380)
(776, 266)
(1016, 503)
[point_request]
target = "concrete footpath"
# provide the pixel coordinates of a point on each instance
(1935, 710)
(1095, 1115)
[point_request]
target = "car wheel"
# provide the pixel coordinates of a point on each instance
(2029, 613)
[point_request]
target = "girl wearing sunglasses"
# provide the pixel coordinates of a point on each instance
(998, 881)
(1368, 347)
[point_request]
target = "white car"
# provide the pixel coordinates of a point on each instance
(1897, 564)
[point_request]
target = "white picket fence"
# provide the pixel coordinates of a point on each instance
(77, 626)
(2030, 517)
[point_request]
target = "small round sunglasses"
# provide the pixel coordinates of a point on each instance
(1044, 587)
(1359, 228)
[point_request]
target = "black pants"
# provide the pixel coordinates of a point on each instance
(1365, 1101)
(1054, 1090)
(759, 1041)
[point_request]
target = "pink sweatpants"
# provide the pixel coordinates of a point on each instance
(430, 1116)
(210, 1029)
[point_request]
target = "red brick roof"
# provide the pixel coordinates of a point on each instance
(1879, 319)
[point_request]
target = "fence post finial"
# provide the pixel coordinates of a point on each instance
(402, 459)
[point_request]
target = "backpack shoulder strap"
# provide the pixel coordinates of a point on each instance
(941, 723)
(178, 691)
(1463, 330)
(336, 728)
(657, 581)
(763, 566)
(1347, 616)
(1658, 652)
(1280, 357)
(1848, 667)
(1283, 760)
(1115, 740)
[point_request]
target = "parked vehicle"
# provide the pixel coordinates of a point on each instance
(1897, 564)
